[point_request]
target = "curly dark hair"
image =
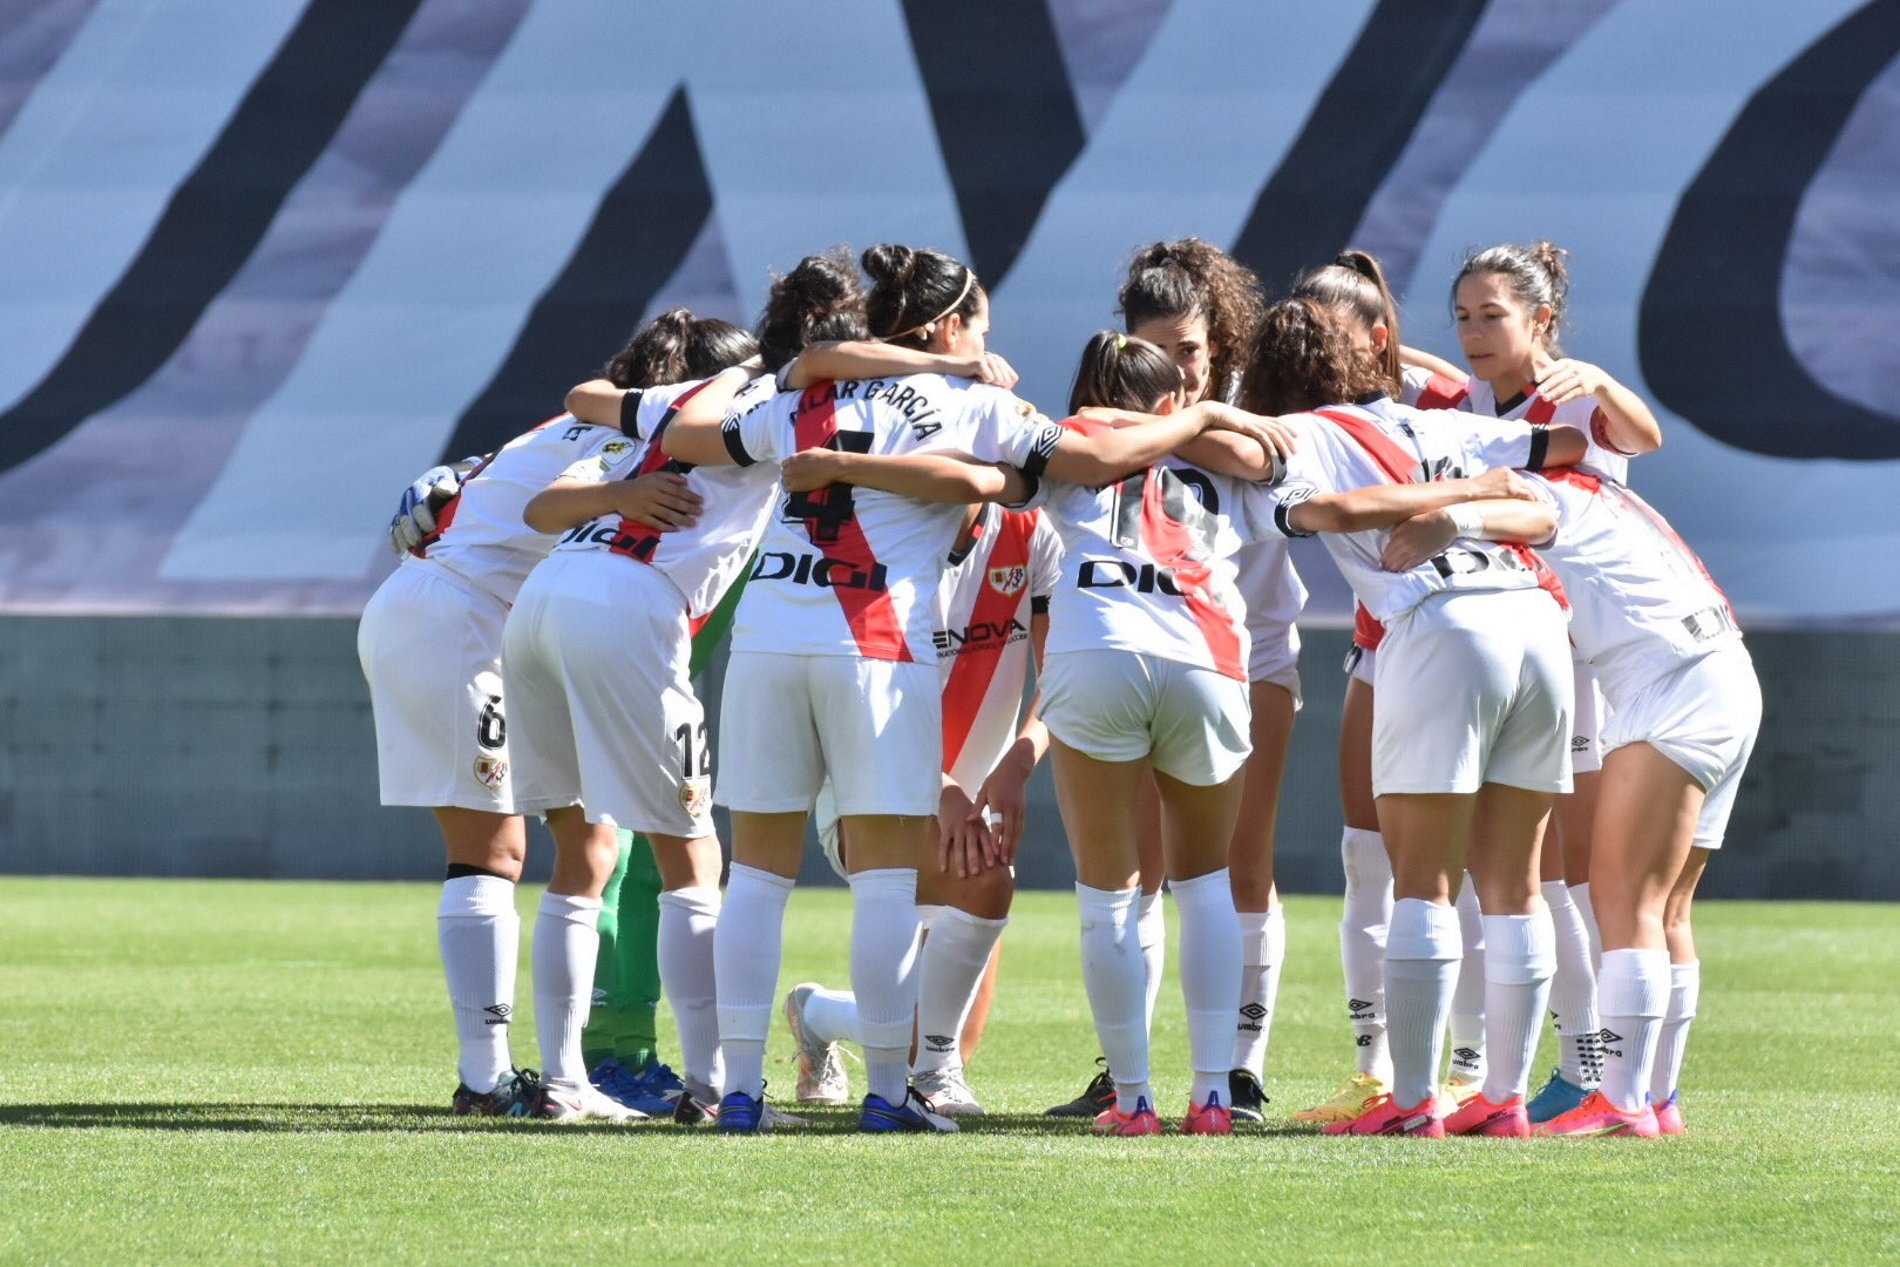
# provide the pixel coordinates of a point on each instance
(821, 299)
(1190, 277)
(1305, 359)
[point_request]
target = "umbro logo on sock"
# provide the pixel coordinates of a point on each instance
(940, 1042)
(1465, 1056)
(1358, 1005)
(1608, 1036)
(498, 1014)
(1253, 1014)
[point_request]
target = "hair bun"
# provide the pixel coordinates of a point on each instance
(890, 264)
(1554, 260)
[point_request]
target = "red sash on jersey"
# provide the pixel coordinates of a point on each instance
(1401, 468)
(975, 669)
(871, 614)
(1441, 392)
(1172, 546)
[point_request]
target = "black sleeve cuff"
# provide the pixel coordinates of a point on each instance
(1283, 513)
(729, 432)
(1540, 448)
(1039, 604)
(630, 413)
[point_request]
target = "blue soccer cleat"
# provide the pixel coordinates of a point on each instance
(625, 1086)
(881, 1117)
(1556, 1098)
(741, 1114)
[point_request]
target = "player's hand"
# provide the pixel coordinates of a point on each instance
(1419, 538)
(812, 469)
(1502, 481)
(1568, 380)
(1002, 799)
(963, 837)
(661, 500)
(991, 368)
(414, 523)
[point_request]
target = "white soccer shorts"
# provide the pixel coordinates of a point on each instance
(1191, 723)
(1703, 716)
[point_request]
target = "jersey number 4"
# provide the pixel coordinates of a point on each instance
(824, 511)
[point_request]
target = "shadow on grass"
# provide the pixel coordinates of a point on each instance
(409, 1118)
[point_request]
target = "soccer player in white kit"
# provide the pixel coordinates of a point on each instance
(832, 668)
(1474, 684)
(430, 645)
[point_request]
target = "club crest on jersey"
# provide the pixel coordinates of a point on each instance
(491, 771)
(614, 448)
(1009, 580)
(695, 795)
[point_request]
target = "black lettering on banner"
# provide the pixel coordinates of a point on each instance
(491, 731)
(825, 511)
(687, 739)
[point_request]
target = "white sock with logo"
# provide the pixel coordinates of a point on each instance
(1421, 969)
(1152, 929)
(747, 945)
(480, 936)
(1362, 928)
(688, 917)
(1636, 993)
(1467, 1001)
(954, 957)
(566, 943)
(1262, 956)
(1685, 994)
(1210, 977)
(884, 940)
(1519, 957)
(1573, 991)
(1116, 980)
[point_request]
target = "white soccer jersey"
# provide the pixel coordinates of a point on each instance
(1422, 389)
(1148, 564)
(986, 600)
(702, 561)
(1353, 446)
(1642, 604)
(1582, 413)
(483, 538)
(854, 571)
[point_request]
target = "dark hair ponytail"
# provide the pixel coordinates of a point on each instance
(1305, 359)
(1538, 275)
(914, 288)
(820, 300)
(1122, 372)
(715, 345)
(1187, 278)
(1356, 283)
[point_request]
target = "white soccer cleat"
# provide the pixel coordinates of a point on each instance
(947, 1091)
(822, 1078)
(553, 1104)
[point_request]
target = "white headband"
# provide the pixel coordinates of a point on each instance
(927, 328)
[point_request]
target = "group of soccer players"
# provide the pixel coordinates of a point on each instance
(892, 533)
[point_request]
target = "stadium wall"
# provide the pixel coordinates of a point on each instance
(182, 746)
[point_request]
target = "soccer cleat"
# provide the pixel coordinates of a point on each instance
(1112, 1121)
(1096, 1097)
(1247, 1099)
(913, 1114)
(947, 1091)
(584, 1105)
(822, 1078)
(1459, 1089)
(690, 1110)
(1212, 1118)
(1597, 1116)
(660, 1080)
(510, 1098)
(1353, 1097)
(614, 1080)
(1479, 1116)
(1385, 1116)
(1558, 1096)
(1669, 1116)
(741, 1114)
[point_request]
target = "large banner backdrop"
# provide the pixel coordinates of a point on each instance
(261, 261)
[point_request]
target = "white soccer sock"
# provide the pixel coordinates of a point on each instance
(1685, 994)
(831, 1016)
(1467, 1001)
(687, 919)
(1573, 991)
(884, 935)
(1580, 895)
(1636, 992)
(954, 957)
(746, 948)
(1152, 930)
(1421, 969)
(566, 942)
(1519, 957)
(1262, 956)
(1362, 926)
(480, 936)
(1210, 977)
(1113, 974)
(927, 913)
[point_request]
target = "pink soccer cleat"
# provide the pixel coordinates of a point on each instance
(1142, 1121)
(1669, 1116)
(1385, 1116)
(1479, 1116)
(1212, 1118)
(1597, 1116)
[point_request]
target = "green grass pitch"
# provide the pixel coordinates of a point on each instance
(245, 1072)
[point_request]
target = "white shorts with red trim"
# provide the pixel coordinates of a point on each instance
(597, 652)
(1474, 687)
(1703, 716)
(1191, 723)
(876, 726)
(430, 645)
(1586, 723)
